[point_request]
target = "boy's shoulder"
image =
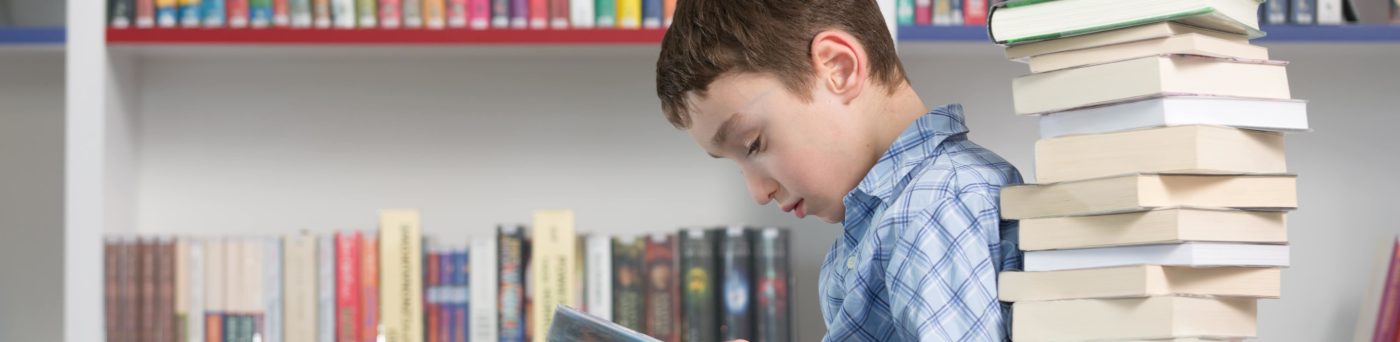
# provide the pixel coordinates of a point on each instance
(958, 169)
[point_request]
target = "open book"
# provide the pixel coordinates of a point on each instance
(570, 325)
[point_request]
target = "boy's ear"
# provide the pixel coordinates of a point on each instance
(839, 62)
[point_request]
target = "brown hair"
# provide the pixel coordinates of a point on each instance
(711, 37)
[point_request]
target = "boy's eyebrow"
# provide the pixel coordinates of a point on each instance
(722, 133)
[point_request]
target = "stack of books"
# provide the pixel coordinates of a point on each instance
(1159, 211)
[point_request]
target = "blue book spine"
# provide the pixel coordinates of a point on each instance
(447, 264)
(956, 12)
(1304, 12)
(651, 13)
(1275, 12)
(214, 13)
(190, 14)
(260, 13)
(463, 275)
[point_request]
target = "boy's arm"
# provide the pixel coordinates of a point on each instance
(941, 274)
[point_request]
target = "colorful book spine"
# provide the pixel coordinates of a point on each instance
(433, 294)
(904, 12)
(167, 13)
(299, 287)
(699, 281)
(347, 286)
(401, 275)
(484, 285)
(194, 309)
(923, 12)
(598, 276)
(145, 14)
(581, 13)
(1275, 12)
(367, 13)
(1304, 12)
(629, 14)
(629, 306)
(538, 13)
(559, 14)
(512, 287)
(189, 13)
(325, 288)
(260, 13)
(605, 12)
(457, 11)
(974, 12)
(736, 271)
(500, 13)
(213, 12)
(519, 14)
(552, 266)
(214, 281)
(651, 14)
(412, 13)
(281, 13)
(942, 12)
(238, 13)
(773, 272)
(272, 290)
(955, 13)
(321, 13)
(662, 294)
(121, 13)
(343, 14)
(390, 14)
(461, 295)
(479, 13)
(369, 285)
(668, 12)
(433, 14)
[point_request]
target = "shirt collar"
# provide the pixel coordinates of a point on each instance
(917, 143)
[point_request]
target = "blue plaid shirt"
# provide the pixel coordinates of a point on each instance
(923, 242)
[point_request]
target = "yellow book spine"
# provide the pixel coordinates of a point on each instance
(401, 275)
(434, 13)
(552, 267)
(629, 13)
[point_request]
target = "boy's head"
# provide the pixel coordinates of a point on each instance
(785, 88)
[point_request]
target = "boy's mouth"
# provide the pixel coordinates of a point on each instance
(797, 208)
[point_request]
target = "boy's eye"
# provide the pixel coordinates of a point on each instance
(754, 146)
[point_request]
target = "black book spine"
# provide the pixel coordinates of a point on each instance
(773, 315)
(736, 272)
(700, 305)
(628, 304)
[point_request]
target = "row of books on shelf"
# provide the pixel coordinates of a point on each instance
(1328, 12)
(714, 284)
(392, 14)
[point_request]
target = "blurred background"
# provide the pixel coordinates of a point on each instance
(220, 131)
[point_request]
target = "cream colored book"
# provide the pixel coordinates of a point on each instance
(1195, 149)
(1024, 21)
(1137, 192)
(1256, 114)
(552, 267)
(1133, 318)
(234, 302)
(1185, 44)
(1124, 35)
(182, 281)
(401, 275)
(1171, 225)
(1192, 254)
(252, 277)
(1140, 281)
(1101, 84)
(215, 278)
(299, 284)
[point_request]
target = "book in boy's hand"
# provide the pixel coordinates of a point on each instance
(570, 325)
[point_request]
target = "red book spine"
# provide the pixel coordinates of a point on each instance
(539, 14)
(280, 15)
(237, 13)
(145, 13)
(662, 296)
(923, 12)
(370, 297)
(431, 310)
(974, 12)
(559, 14)
(480, 13)
(389, 16)
(347, 286)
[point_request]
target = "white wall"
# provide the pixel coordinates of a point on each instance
(31, 190)
(32, 12)
(231, 141)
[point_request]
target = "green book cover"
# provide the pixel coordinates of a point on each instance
(1204, 17)
(607, 13)
(368, 11)
(904, 12)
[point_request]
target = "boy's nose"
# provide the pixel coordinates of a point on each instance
(761, 188)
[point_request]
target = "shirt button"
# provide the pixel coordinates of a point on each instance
(851, 262)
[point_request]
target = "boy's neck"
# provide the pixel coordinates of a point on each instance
(898, 110)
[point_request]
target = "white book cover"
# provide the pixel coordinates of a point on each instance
(325, 288)
(1178, 110)
(1329, 12)
(233, 277)
(1190, 254)
(483, 283)
(343, 13)
(598, 279)
(252, 275)
(581, 13)
(194, 321)
(272, 289)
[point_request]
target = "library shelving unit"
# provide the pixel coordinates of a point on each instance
(30, 36)
(273, 36)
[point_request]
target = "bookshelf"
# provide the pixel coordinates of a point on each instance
(29, 36)
(282, 36)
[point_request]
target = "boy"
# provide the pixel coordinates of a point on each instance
(809, 98)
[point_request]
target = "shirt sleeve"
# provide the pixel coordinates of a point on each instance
(941, 274)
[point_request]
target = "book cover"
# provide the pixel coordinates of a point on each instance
(457, 13)
(1185, 44)
(260, 13)
(904, 12)
(238, 13)
(1303, 12)
(483, 285)
(194, 311)
(651, 13)
(552, 266)
(367, 13)
(299, 287)
(942, 12)
(181, 287)
(1276, 12)
(281, 13)
(111, 288)
(412, 13)
(325, 288)
(167, 13)
(736, 290)
(1134, 319)
(974, 12)
(1082, 87)
(300, 13)
(145, 14)
(571, 325)
(1138, 192)
(433, 14)
(529, 288)
(539, 13)
(343, 14)
(479, 14)
(401, 275)
(1255, 114)
(212, 11)
(659, 280)
(1178, 149)
(580, 293)
(1162, 226)
(273, 327)
(1034, 21)
(581, 13)
(955, 13)
(321, 13)
(433, 268)
(347, 285)
(512, 287)
(1140, 281)
(461, 320)
(369, 288)
(122, 12)
(629, 14)
(214, 284)
(605, 14)
(598, 276)
(519, 14)
(923, 12)
(500, 13)
(629, 306)
(699, 282)
(390, 14)
(668, 12)
(773, 273)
